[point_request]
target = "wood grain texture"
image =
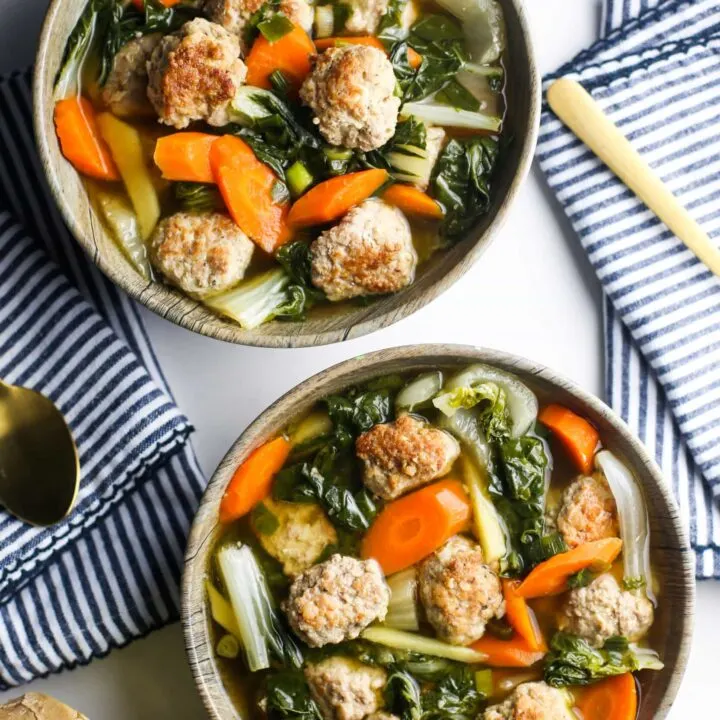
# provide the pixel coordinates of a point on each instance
(671, 555)
(344, 322)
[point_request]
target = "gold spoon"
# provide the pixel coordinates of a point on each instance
(579, 111)
(39, 465)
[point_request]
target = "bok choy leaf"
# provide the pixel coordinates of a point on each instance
(572, 661)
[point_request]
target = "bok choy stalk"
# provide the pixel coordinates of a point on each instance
(483, 26)
(402, 640)
(449, 116)
(475, 384)
(419, 392)
(254, 301)
(261, 630)
(572, 661)
(634, 522)
(403, 610)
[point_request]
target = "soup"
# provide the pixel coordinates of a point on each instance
(269, 159)
(434, 546)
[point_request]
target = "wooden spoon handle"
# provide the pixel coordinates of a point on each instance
(577, 109)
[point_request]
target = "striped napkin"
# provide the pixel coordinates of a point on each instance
(109, 573)
(656, 73)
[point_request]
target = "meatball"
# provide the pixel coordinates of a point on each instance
(588, 512)
(351, 90)
(603, 610)
(382, 715)
(403, 455)
(336, 600)
(303, 532)
(194, 74)
(365, 16)
(233, 15)
(459, 592)
(369, 252)
(201, 253)
(126, 89)
(532, 701)
(345, 689)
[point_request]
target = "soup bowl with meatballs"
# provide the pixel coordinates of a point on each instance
(438, 532)
(280, 173)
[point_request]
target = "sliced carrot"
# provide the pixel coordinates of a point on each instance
(550, 577)
(414, 58)
(576, 434)
(290, 54)
(80, 140)
(252, 481)
(514, 652)
(246, 185)
(328, 42)
(331, 199)
(614, 698)
(185, 156)
(409, 529)
(413, 201)
(521, 617)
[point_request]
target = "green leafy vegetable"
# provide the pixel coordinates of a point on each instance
(457, 96)
(455, 697)
(197, 197)
(295, 259)
(491, 403)
(517, 487)
(402, 695)
(440, 41)
(263, 520)
(279, 83)
(330, 479)
(288, 696)
(572, 661)
(358, 410)
(67, 79)
(390, 29)
(461, 182)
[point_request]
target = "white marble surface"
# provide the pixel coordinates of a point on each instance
(533, 293)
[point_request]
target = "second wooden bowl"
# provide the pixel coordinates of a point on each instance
(672, 559)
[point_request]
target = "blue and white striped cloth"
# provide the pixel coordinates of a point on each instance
(109, 572)
(656, 73)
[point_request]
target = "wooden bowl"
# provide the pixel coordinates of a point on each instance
(342, 322)
(671, 555)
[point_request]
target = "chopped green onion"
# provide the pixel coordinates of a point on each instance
(275, 27)
(299, 178)
(580, 579)
(228, 647)
(337, 153)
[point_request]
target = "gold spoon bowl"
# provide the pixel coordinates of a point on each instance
(39, 464)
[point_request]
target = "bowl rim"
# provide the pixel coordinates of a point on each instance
(367, 365)
(159, 300)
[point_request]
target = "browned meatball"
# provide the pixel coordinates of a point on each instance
(126, 89)
(403, 455)
(532, 701)
(369, 252)
(345, 689)
(588, 512)
(201, 253)
(602, 610)
(351, 90)
(459, 592)
(336, 600)
(194, 74)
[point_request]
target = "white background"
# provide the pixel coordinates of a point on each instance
(533, 293)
